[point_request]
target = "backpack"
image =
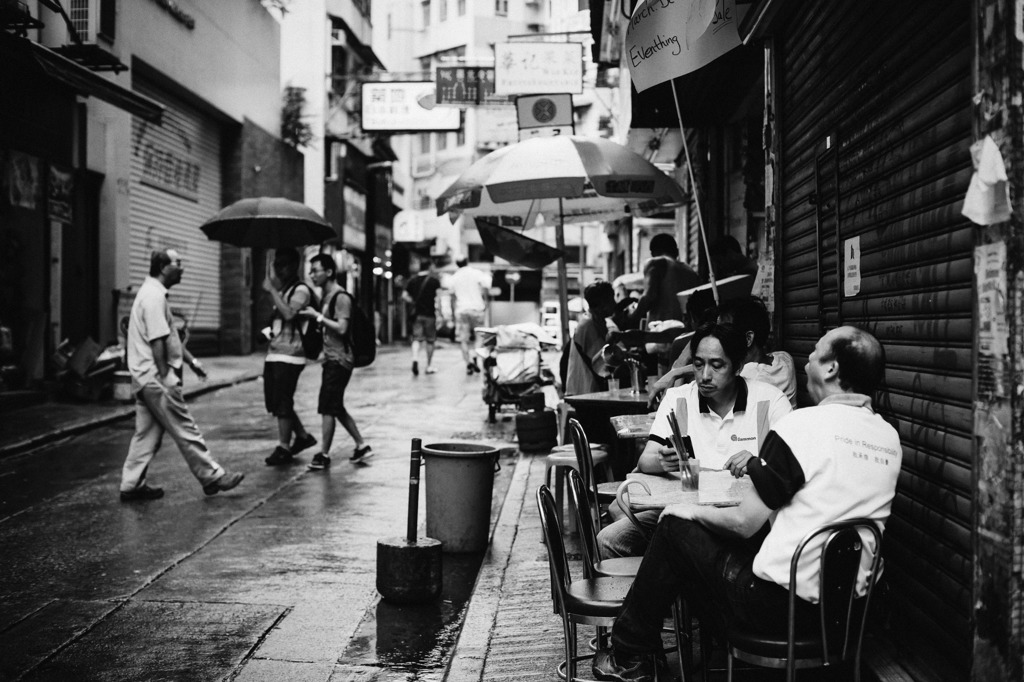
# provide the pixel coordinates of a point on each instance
(361, 336)
(309, 330)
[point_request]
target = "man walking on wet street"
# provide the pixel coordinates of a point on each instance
(469, 288)
(155, 358)
(421, 292)
(338, 361)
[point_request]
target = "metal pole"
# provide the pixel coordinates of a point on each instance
(696, 197)
(414, 490)
(563, 285)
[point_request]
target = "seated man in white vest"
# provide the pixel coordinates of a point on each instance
(835, 461)
(721, 421)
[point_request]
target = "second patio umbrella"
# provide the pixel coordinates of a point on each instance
(565, 179)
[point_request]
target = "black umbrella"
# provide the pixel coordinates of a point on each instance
(268, 222)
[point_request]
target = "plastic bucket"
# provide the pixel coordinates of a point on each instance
(122, 386)
(460, 480)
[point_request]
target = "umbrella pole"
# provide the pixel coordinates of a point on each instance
(696, 197)
(563, 276)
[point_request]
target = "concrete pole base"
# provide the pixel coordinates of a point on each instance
(409, 573)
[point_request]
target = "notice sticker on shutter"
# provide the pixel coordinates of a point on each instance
(851, 272)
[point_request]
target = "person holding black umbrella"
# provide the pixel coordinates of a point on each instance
(285, 357)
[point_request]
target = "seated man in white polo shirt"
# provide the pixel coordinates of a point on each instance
(721, 417)
(835, 461)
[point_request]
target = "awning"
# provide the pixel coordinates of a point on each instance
(711, 95)
(79, 79)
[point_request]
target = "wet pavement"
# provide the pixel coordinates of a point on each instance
(272, 580)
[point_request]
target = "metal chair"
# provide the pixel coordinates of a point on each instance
(594, 567)
(843, 615)
(576, 457)
(590, 601)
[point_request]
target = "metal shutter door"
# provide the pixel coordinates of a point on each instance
(897, 119)
(169, 202)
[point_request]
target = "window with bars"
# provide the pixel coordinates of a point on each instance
(78, 12)
(501, 7)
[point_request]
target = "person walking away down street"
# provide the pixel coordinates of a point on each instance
(835, 461)
(586, 370)
(470, 288)
(285, 357)
(421, 292)
(155, 358)
(333, 319)
(721, 414)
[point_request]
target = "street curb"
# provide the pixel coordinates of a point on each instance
(470, 654)
(112, 415)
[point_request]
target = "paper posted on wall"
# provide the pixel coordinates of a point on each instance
(988, 196)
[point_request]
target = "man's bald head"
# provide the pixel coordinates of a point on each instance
(860, 357)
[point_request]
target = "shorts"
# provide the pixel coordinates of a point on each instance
(424, 329)
(465, 322)
(332, 388)
(279, 382)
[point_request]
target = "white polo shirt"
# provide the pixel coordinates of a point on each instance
(715, 439)
(150, 319)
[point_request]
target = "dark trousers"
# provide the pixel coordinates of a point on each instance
(715, 575)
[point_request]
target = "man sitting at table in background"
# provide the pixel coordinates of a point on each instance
(586, 372)
(721, 420)
(751, 317)
(835, 461)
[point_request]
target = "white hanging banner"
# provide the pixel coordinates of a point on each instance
(670, 38)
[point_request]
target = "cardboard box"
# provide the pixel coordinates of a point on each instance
(84, 356)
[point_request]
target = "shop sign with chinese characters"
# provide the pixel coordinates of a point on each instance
(538, 68)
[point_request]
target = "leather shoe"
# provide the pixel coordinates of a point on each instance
(226, 482)
(623, 668)
(143, 492)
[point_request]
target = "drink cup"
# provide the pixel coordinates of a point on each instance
(613, 384)
(689, 471)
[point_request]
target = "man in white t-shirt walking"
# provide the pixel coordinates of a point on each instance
(469, 288)
(835, 461)
(155, 359)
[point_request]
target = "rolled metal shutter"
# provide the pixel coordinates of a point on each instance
(875, 122)
(175, 187)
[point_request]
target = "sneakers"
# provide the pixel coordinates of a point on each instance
(361, 454)
(319, 461)
(301, 444)
(280, 455)
(431, 370)
(415, 368)
(470, 369)
(143, 492)
(226, 482)
(623, 668)
(474, 366)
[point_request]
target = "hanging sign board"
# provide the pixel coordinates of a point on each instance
(668, 40)
(467, 86)
(851, 267)
(544, 115)
(538, 68)
(405, 106)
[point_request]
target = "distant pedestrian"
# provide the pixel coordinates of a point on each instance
(285, 357)
(333, 318)
(421, 292)
(470, 288)
(155, 359)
